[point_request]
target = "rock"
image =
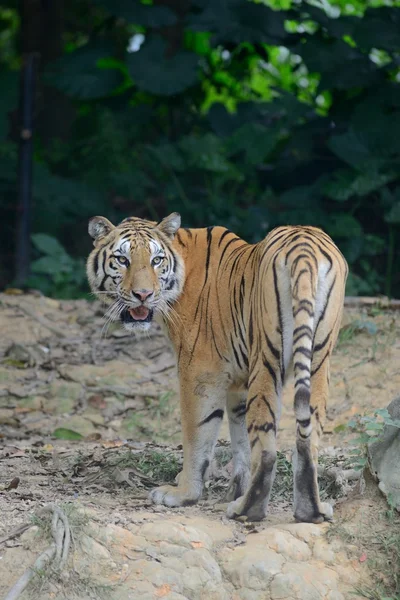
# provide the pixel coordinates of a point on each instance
(384, 456)
(177, 557)
(7, 417)
(64, 396)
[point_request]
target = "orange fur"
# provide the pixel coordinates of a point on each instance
(241, 317)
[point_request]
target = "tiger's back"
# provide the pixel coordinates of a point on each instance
(245, 316)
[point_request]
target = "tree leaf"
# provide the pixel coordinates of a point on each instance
(205, 152)
(344, 225)
(47, 244)
(154, 73)
(79, 75)
(239, 21)
(350, 147)
(46, 265)
(63, 433)
(133, 11)
(255, 140)
(393, 216)
(379, 28)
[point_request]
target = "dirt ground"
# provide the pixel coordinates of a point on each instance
(93, 416)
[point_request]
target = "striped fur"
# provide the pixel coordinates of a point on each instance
(241, 318)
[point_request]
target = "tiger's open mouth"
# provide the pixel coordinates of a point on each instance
(133, 315)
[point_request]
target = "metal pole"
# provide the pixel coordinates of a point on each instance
(24, 182)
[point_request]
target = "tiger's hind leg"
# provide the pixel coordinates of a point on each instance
(310, 410)
(262, 409)
(236, 409)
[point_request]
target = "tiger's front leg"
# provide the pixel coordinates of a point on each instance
(202, 400)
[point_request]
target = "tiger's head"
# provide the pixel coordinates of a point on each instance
(135, 269)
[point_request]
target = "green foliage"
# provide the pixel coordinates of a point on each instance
(369, 429)
(66, 434)
(245, 113)
(153, 72)
(84, 73)
(56, 272)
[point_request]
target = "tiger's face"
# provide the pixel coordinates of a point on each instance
(135, 269)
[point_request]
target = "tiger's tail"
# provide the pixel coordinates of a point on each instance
(304, 283)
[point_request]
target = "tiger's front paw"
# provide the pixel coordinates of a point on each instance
(173, 496)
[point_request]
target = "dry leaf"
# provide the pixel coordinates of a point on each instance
(13, 484)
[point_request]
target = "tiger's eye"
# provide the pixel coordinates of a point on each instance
(156, 260)
(122, 260)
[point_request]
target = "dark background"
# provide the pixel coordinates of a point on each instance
(234, 112)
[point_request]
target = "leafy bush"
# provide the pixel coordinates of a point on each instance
(231, 112)
(55, 272)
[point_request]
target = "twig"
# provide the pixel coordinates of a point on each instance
(57, 551)
(382, 302)
(15, 533)
(23, 581)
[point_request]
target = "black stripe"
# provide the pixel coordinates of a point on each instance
(267, 364)
(244, 356)
(204, 467)
(217, 414)
(298, 277)
(266, 427)
(278, 304)
(305, 351)
(209, 240)
(236, 354)
(306, 309)
(251, 328)
(272, 348)
(180, 242)
(299, 245)
(214, 340)
(240, 407)
(298, 338)
(323, 343)
(188, 231)
(322, 315)
(321, 363)
(269, 408)
(96, 262)
(226, 232)
(299, 365)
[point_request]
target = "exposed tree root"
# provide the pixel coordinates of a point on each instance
(56, 552)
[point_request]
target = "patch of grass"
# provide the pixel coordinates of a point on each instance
(348, 333)
(77, 520)
(160, 467)
(70, 585)
(377, 536)
(283, 484)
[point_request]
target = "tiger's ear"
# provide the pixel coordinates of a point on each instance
(99, 227)
(170, 224)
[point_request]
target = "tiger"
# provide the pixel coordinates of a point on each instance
(242, 319)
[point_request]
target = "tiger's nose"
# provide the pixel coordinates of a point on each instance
(142, 295)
